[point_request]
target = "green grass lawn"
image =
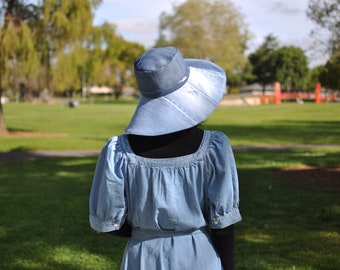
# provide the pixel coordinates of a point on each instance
(89, 125)
(287, 223)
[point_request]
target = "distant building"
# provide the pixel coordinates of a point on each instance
(256, 89)
(98, 90)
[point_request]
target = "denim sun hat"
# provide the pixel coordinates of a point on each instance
(175, 93)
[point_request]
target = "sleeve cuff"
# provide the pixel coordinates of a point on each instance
(105, 226)
(223, 221)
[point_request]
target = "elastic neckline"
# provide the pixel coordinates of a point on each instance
(181, 160)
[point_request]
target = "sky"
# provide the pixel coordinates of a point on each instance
(138, 20)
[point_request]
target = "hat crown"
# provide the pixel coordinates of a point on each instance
(176, 93)
(160, 71)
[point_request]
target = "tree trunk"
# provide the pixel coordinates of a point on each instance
(3, 129)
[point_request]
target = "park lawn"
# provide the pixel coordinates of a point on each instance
(288, 223)
(291, 211)
(58, 127)
(44, 221)
(284, 124)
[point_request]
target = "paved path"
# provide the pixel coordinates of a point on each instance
(33, 155)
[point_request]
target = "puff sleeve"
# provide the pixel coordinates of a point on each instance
(223, 190)
(107, 203)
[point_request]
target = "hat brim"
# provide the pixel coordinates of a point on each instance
(184, 108)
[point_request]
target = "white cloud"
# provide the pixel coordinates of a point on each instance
(142, 30)
(135, 20)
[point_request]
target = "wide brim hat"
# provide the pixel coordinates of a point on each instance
(175, 93)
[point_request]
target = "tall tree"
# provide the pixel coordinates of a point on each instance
(263, 61)
(314, 77)
(56, 26)
(291, 67)
(110, 58)
(207, 29)
(330, 75)
(64, 26)
(326, 15)
(17, 52)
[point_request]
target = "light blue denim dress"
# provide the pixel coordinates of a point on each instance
(170, 203)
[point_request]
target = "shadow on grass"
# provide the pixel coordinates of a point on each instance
(285, 226)
(293, 132)
(19, 130)
(288, 157)
(44, 221)
(289, 222)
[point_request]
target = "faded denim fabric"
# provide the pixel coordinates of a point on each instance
(175, 93)
(169, 202)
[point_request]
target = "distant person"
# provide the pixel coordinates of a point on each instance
(174, 184)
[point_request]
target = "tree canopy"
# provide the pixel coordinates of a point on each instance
(263, 61)
(207, 29)
(326, 15)
(291, 67)
(287, 64)
(18, 57)
(330, 75)
(52, 45)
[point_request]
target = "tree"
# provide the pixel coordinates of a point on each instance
(52, 44)
(313, 77)
(291, 67)
(64, 26)
(17, 53)
(206, 29)
(56, 26)
(287, 65)
(326, 15)
(263, 61)
(110, 58)
(329, 77)
(244, 76)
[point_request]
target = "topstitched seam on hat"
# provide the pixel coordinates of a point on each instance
(205, 73)
(139, 60)
(202, 93)
(211, 73)
(179, 109)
